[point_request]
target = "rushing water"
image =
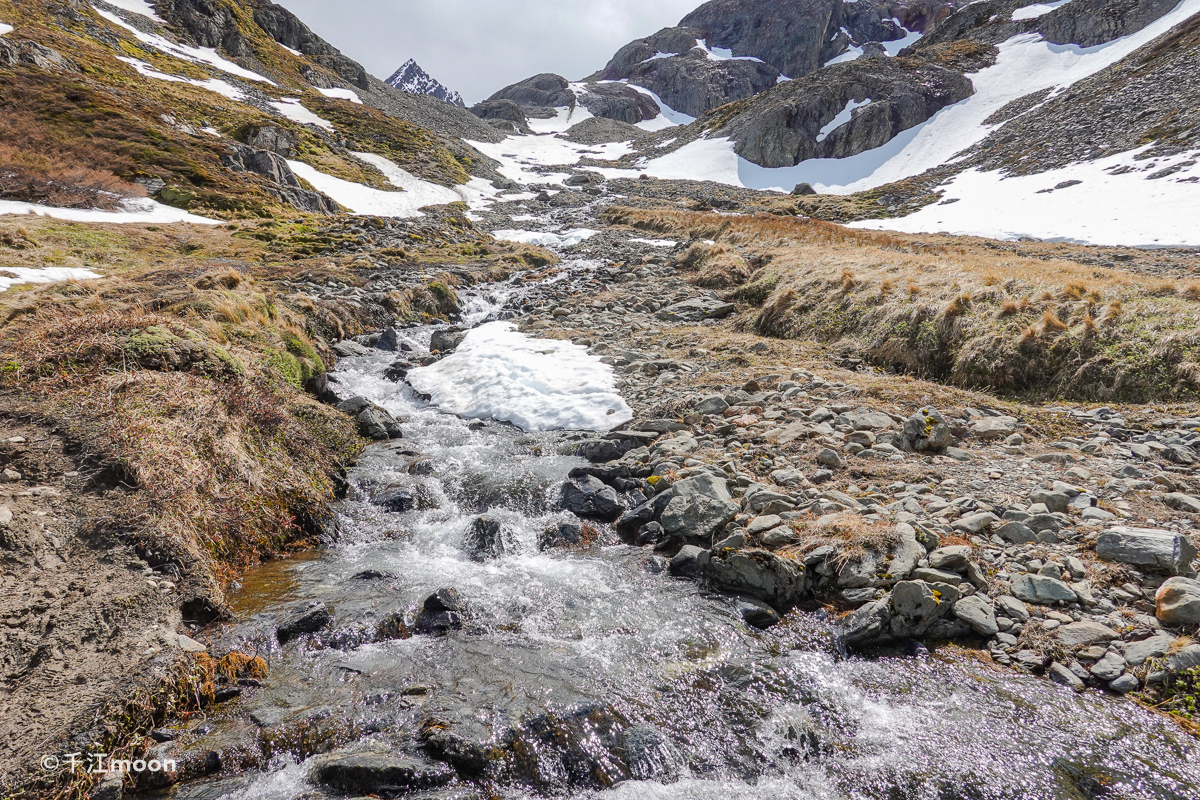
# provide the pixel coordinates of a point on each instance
(589, 672)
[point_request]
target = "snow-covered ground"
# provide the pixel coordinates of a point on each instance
(198, 55)
(525, 159)
(291, 108)
(14, 276)
(655, 242)
(212, 84)
(536, 384)
(5, 28)
(1037, 10)
(841, 119)
(1129, 209)
(341, 94)
(136, 210)
(568, 238)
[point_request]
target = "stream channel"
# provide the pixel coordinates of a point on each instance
(587, 671)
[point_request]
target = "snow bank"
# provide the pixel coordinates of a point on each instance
(542, 239)
(524, 159)
(5, 28)
(842, 118)
(1129, 208)
(198, 55)
(291, 108)
(212, 84)
(340, 94)
(361, 199)
(656, 242)
(140, 209)
(12, 276)
(137, 7)
(1037, 10)
(536, 384)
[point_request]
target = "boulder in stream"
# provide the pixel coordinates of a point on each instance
(306, 619)
(378, 773)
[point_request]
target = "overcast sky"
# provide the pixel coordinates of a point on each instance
(479, 46)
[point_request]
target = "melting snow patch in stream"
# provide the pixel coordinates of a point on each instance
(536, 384)
(12, 276)
(544, 239)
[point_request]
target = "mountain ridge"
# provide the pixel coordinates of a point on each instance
(411, 78)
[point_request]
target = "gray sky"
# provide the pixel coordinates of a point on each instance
(479, 46)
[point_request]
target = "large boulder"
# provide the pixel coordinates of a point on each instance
(1042, 590)
(1177, 602)
(915, 608)
(304, 620)
(375, 772)
(588, 497)
(779, 581)
(373, 422)
(698, 509)
(927, 430)
(697, 309)
(1159, 550)
(977, 612)
(1084, 633)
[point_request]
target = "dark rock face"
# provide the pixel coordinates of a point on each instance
(309, 619)
(588, 497)
(378, 773)
(1086, 23)
(414, 80)
(619, 102)
(790, 36)
(271, 137)
(504, 110)
(545, 91)
(486, 539)
(288, 30)
(784, 126)
(273, 167)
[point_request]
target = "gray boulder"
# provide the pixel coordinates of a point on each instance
(373, 422)
(698, 509)
(928, 430)
(781, 582)
(371, 773)
(1084, 633)
(588, 497)
(1042, 590)
(307, 619)
(977, 612)
(1151, 548)
(447, 340)
(915, 607)
(689, 562)
(697, 309)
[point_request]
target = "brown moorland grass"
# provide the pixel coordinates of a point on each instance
(971, 316)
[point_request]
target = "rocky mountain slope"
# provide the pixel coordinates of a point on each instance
(414, 80)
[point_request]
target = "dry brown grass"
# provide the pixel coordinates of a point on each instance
(58, 181)
(972, 315)
(850, 533)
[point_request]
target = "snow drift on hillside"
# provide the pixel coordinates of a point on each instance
(536, 384)
(136, 210)
(5, 28)
(13, 276)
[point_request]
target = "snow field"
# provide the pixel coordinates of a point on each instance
(136, 210)
(13, 276)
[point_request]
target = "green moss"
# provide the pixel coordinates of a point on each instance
(288, 367)
(150, 341)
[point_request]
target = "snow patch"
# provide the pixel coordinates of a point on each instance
(536, 384)
(198, 55)
(341, 94)
(1103, 209)
(13, 276)
(137, 7)
(291, 108)
(5, 28)
(544, 239)
(668, 118)
(851, 54)
(217, 85)
(656, 242)
(722, 53)
(1037, 10)
(135, 210)
(842, 118)
(894, 47)
(361, 199)
(524, 159)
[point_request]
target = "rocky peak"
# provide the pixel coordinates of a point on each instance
(414, 80)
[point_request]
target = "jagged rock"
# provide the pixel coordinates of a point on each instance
(619, 102)
(698, 508)
(779, 581)
(560, 535)
(309, 619)
(442, 612)
(373, 422)
(870, 624)
(447, 340)
(1147, 547)
(270, 137)
(1177, 602)
(588, 497)
(486, 539)
(803, 190)
(24, 51)
(372, 773)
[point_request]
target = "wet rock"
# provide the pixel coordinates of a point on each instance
(348, 348)
(564, 534)
(756, 613)
(447, 340)
(588, 497)
(689, 562)
(1147, 547)
(378, 773)
(309, 619)
(442, 612)
(868, 625)
(650, 534)
(1065, 677)
(648, 754)
(915, 608)
(373, 422)
(699, 507)
(779, 581)
(486, 539)
(398, 501)
(1177, 602)
(1125, 684)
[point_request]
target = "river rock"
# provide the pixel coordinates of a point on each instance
(953, 558)
(308, 619)
(1083, 634)
(375, 773)
(1061, 675)
(1177, 602)
(486, 539)
(588, 497)
(698, 509)
(1108, 668)
(563, 534)
(446, 340)
(1147, 547)
(689, 562)
(697, 309)
(373, 422)
(1138, 653)
(977, 612)
(756, 613)
(442, 612)
(1011, 607)
(928, 430)
(994, 427)
(1016, 532)
(1184, 659)
(915, 608)
(779, 581)
(712, 405)
(1042, 590)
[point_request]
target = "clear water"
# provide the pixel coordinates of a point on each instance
(594, 676)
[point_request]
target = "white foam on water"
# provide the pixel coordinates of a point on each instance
(14, 276)
(135, 210)
(568, 238)
(536, 384)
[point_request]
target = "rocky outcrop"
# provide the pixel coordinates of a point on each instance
(886, 96)
(1086, 23)
(538, 96)
(618, 102)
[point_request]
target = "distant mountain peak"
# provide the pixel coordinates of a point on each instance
(414, 80)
